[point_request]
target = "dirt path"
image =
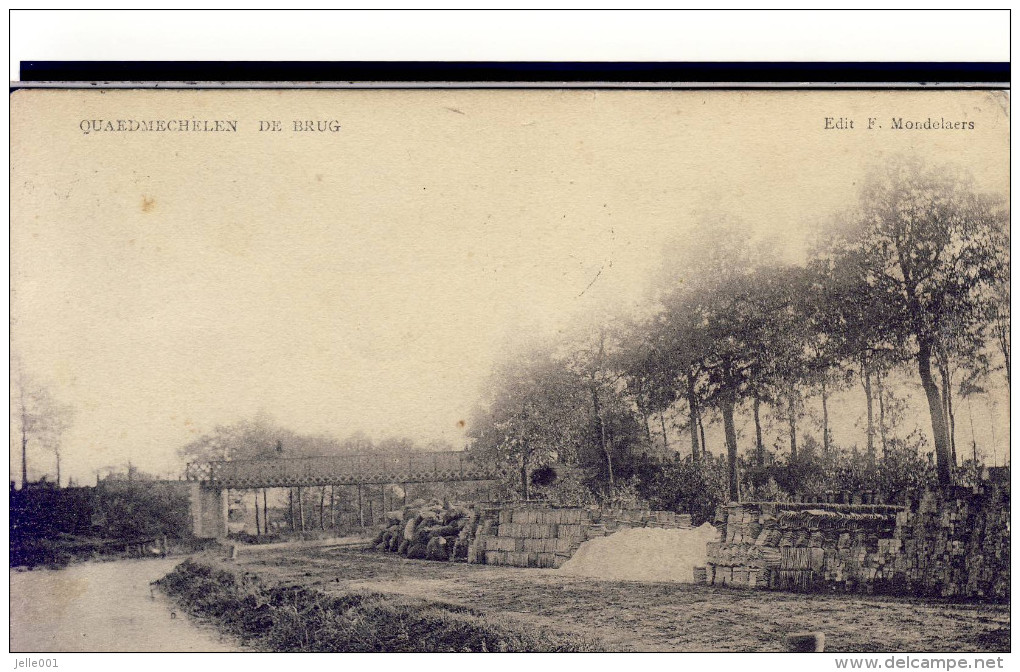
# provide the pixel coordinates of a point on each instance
(632, 616)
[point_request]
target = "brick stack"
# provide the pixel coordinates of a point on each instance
(533, 535)
(603, 522)
(740, 564)
(791, 546)
(957, 544)
(951, 544)
(530, 537)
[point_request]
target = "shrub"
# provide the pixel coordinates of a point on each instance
(686, 486)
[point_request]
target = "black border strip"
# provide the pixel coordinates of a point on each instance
(521, 72)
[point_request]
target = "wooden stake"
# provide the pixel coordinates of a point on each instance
(332, 511)
(361, 508)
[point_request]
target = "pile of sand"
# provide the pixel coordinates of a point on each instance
(643, 554)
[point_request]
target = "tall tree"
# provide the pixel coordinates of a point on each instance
(590, 359)
(716, 316)
(917, 245)
(680, 339)
(737, 315)
(999, 294)
(853, 337)
(39, 417)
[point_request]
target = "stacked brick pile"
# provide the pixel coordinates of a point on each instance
(838, 548)
(740, 564)
(952, 544)
(956, 544)
(530, 535)
(791, 546)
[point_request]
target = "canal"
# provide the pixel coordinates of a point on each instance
(103, 606)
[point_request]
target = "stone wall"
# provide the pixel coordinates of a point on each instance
(537, 535)
(949, 544)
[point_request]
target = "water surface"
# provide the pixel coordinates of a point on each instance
(103, 606)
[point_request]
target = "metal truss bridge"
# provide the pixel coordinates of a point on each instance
(340, 470)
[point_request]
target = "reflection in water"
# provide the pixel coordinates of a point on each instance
(102, 606)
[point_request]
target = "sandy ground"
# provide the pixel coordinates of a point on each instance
(633, 616)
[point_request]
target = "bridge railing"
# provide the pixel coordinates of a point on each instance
(343, 469)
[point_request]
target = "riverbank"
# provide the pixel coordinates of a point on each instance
(55, 527)
(62, 550)
(300, 619)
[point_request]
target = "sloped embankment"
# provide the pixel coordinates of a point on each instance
(293, 618)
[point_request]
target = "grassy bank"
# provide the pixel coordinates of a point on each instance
(65, 549)
(294, 618)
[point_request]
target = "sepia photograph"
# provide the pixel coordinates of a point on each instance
(526, 370)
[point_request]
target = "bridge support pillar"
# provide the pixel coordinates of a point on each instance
(208, 511)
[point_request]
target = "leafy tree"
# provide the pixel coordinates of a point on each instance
(674, 367)
(595, 358)
(534, 416)
(998, 241)
(647, 381)
(851, 324)
(917, 247)
(715, 323)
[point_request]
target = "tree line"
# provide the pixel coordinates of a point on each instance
(909, 283)
(261, 437)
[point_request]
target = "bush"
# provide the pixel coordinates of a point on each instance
(686, 486)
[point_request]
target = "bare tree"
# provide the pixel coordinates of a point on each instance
(40, 418)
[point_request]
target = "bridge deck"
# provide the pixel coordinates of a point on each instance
(341, 470)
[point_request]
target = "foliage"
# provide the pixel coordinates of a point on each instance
(262, 437)
(915, 275)
(571, 488)
(144, 509)
(533, 416)
(627, 495)
(905, 468)
(51, 525)
(685, 486)
(816, 474)
(921, 257)
(122, 510)
(544, 475)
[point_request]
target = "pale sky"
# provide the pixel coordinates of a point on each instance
(163, 283)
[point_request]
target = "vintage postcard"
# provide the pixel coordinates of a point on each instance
(549, 370)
